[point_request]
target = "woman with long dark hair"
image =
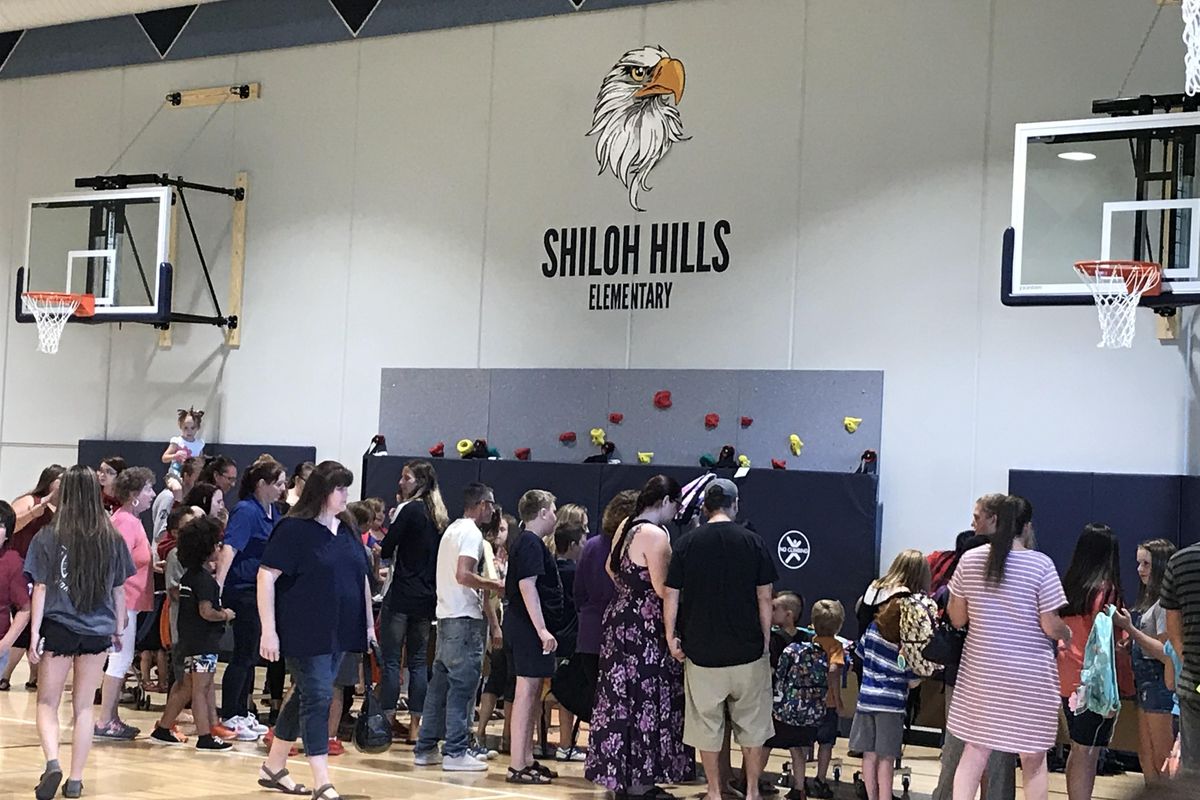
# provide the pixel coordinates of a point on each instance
(78, 615)
(1011, 595)
(314, 599)
(34, 510)
(246, 534)
(411, 544)
(207, 497)
(110, 467)
(636, 738)
(1092, 582)
(1147, 627)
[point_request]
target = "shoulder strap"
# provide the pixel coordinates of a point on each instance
(623, 543)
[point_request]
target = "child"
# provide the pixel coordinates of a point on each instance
(568, 545)
(187, 445)
(201, 625)
(180, 695)
(786, 610)
(878, 729)
(827, 619)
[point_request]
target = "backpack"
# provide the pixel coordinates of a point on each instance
(941, 568)
(801, 685)
(917, 615)
(1098, 690)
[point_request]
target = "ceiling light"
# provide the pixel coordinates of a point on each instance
(1077, 156)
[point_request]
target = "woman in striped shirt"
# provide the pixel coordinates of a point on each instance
(1007, 697)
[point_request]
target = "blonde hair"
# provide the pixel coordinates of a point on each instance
(568, 514)
(532, 503)
(792, 602)
(909, 571)
(827, 617)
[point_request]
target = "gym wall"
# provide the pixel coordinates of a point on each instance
(400, 188)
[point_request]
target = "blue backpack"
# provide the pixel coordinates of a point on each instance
(801, 685)
(1098, 680)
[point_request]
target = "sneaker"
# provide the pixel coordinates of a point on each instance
(766, 788)
(269, 737)
(164, 736)
(820, 790)
(336, 748)
(221, 732)
(212, 745)
(250, 721)
(464, 763)
(570, 754)
(242, 731)
(429, 759)
(399, 731)
(116, 730)
(794, 794)
(481, 753)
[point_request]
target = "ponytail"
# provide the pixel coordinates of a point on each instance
(1014, 514)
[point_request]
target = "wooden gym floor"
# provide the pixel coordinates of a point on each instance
(140, 770)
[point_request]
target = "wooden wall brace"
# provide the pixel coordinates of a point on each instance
(1167, 328)
(215, 96)
(237, 259)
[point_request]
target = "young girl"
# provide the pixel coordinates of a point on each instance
(187, 445)
(878, 729)
(1148, 628)
(1093, 581)
(201, 625)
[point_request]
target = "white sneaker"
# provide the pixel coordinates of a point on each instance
(464, 763)
(253, 724)
(570, 754)
(242, 731)
(427, 759)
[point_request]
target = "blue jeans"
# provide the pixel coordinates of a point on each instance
(238, 680)
(305, 712)
(397, 631)
(450, 700)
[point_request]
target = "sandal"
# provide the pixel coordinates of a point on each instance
(73, 789)
(543, 769)
(274, 780)
(47, 785)
(326, 792)
(529, 775)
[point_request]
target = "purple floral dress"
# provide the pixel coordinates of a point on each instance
(636, 736)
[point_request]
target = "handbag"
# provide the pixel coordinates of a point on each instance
(946, 646)
(573, 690)
(372, 731)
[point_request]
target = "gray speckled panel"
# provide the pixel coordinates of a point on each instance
(421, 407)
(813, 405)
(531, 407)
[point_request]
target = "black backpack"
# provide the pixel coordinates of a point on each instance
(372, 731)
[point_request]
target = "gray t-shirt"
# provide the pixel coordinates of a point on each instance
(46, 563)
(173, 573)
(1153, 621)
(159, 513)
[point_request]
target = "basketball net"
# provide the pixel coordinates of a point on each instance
(1191, 38)
(51, 315)
(1117, 289)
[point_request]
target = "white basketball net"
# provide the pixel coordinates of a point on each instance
(1191, 37)
(1117, 292)
(51, 316)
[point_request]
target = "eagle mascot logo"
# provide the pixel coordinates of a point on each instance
(636, 119)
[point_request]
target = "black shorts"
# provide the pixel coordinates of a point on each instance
(788, 736)
(62, 641)
(827, 730)
(499, 681)
(1089, 728)
(525, 658)
(22, 640)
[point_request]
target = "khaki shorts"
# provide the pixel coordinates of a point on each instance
(745, 690)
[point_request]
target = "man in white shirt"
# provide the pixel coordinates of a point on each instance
(463, 620)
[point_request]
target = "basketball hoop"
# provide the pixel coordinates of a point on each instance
(51, 310)
(1117, 287)
(1191, 38)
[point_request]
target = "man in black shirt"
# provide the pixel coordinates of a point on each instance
(1180, 597)
(718, 621)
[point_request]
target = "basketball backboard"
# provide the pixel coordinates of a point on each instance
(1111, 188)
(111, 244)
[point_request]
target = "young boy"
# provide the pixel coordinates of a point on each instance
(201, 624)
(827, 619)
(878, 729)
(787, 608)
(568, 545)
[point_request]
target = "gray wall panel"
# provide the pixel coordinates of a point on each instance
(531, 407)
(421, 407)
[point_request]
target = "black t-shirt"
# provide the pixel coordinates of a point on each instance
(412, 541)
(198, 636)
(717, 569)
(529, 557)
(320, 599)
(566, 574)
(780, 640)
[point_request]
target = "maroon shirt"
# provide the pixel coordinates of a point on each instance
(22, 538)
(14, 586)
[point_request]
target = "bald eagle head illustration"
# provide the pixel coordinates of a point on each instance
(636, 119)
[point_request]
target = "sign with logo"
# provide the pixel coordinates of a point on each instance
(794, 549)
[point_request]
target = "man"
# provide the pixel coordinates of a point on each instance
(535, 602)
(1180, 597)
(168, 499)
(462, 631)
(717, 612)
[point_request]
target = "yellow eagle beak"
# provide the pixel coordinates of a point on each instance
(667, 78)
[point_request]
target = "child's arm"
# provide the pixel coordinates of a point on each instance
(210, 614)
(835, 688)
(169, 454)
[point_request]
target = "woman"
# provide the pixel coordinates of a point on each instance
(499, 682)
(1148, 629)
(296, 484)
(315, 604)
(208, 498)
(76, 618)
(14, 589)
(636, 738)
(108, 471)
(134, 490)
(1092, 582)
(411, 544)
(34, 510)
(246, 535)
(1011, 596)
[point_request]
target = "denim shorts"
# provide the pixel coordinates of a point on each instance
(1153, 696)
(205, 663)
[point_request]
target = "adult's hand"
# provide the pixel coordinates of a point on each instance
(268, 645)
(549, 643)
(676, 648)
(34, 654)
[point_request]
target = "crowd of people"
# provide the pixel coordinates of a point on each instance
(662, 633)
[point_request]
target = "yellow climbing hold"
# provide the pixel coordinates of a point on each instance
(465, 446)
(851, 424)
(795, 444)
(644, 458)
(598, 436)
